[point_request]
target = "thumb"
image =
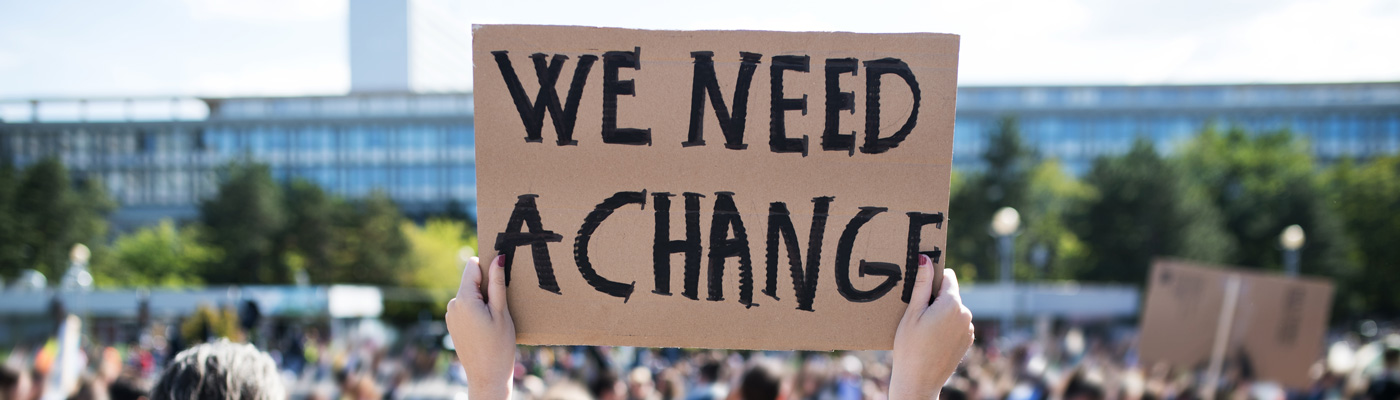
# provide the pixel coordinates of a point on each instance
(496, 287)
(470, 288)
(923, 287)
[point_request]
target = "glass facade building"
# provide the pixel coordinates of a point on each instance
(417, 148)
(159, 157)
(1076, 124)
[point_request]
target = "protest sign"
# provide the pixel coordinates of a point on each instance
(728, 189)
(1269, 325)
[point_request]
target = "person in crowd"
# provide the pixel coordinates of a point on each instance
(15, 383)
(1386, 384)
(220, 371)
(763, 381)
(710, 386)
(929, 342)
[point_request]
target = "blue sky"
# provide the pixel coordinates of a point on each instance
(71, 48)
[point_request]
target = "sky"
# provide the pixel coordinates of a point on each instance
(71, 48)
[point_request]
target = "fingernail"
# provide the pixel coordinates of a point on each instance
(924, 261)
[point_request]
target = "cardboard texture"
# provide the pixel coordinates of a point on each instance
(1277, 330)
(598, 200)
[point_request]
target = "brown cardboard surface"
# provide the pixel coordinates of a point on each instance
(572, 181)
(1278, 325)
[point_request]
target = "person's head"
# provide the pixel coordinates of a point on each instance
(606, 386)
(1392, 358)
(1081, 388)
(125, 389)
(90, 388)
(220, 371)
(15, 384)
(951, 393)
(763, 381)
(709, 372)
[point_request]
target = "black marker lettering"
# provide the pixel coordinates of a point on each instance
(722, 247)
(778, 141)
(843, 262)
(612, 87)
(804, 283)
(663, 246)
(528, 215)
(874, 144)
(585, 234)
(532, 115)
(837, 101)
(705, 82)
(917, 220)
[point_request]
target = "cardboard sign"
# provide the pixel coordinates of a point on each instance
(727, 189)
(1275, 330)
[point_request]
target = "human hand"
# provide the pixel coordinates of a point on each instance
(931, 338)
(483, 332)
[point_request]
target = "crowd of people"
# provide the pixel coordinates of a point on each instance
(1069, 364)
(1051, 362)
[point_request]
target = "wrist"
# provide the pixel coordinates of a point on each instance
(489, 389)
(917, 389)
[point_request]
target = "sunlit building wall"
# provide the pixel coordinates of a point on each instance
(1076, 124)
(159, 157)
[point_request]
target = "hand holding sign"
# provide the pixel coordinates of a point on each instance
(931, 338)
(482, 331)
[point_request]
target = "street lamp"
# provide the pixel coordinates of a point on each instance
(1291, 240)
(1004, 226)
(78, 276)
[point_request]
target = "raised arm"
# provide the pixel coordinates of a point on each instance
(483, 332)
(931, 338)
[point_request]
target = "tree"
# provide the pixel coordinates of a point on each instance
(308, 241)
(11, 244)
(243, 222)
(49, 216)
(1143, 208)
(435, 266)
(1052, 197)
(978, 195)
(157, 256)
(1263, 183)
(370, 247)
(1364, 197)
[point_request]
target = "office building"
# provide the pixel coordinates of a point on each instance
(159, 157)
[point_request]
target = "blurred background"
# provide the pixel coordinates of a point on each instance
(299, 175)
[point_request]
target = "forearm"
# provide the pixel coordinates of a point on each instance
(488, 389)
(913, 389)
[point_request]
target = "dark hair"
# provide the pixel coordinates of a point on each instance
(125, 389)
(605, 382)
(951, 393)
(1391, 355)
(220, 371)
(1081, 388)
(9, 377)
(709, 372)
(763, 381)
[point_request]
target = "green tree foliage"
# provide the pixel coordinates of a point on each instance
(435, 267)
(244, 220)
(979, 194)
(209, 324)
(44, 215)
(370, 248)
(309, 240)
(11, 244)
(156, 256)
(1053, 197)
(1263, 183)
(1144, 208)
(1366, 197)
